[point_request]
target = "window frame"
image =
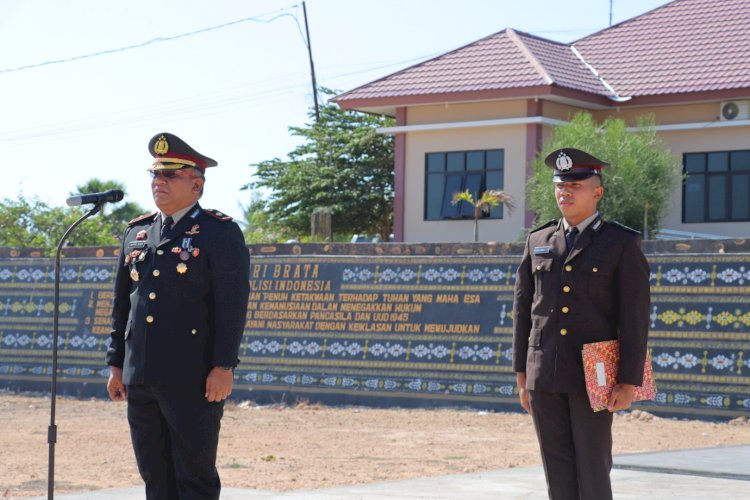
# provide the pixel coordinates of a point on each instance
(462, 210)
(712, 175)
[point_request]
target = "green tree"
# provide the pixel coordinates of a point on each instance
(342, 164)
(115, 215)
(638, 182)
(32, 223)
(257, 226)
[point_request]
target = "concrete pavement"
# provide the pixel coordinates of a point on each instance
(709, 473)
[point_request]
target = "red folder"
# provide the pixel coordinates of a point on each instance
(600, 363)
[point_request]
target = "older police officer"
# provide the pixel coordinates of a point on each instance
(582, 279)
(180, 303)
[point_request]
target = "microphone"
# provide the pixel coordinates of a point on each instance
(111, 196)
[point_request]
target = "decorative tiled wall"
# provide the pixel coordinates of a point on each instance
(390, 330)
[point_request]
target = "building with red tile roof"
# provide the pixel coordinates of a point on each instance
(686, 62)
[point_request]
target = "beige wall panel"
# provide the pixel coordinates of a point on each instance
(685, 113)
(513, 141)
(697, 141)
(510, 139)
(463, 112)
(559, 111)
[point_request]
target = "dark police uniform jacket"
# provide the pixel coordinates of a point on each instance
(180, 302)
(600, 291)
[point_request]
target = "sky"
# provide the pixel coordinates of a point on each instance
(84, 84)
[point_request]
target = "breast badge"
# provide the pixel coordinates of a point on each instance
(133, 258)
(185, 250)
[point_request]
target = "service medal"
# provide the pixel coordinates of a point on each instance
(182, 268)
(196, 252)
(184, 256)
(134, 275)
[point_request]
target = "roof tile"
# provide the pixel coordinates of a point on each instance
(507, 59)
(683, 46)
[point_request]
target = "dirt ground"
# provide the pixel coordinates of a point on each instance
(306, 446)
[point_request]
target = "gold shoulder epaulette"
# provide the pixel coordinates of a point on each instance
(217, 215)
(142, 218)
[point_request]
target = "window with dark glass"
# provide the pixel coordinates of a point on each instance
(717, 187)
(456, 171)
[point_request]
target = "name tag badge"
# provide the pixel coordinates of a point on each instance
(137, 244)
(542, 250)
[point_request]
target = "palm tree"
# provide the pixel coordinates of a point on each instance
(489, 199)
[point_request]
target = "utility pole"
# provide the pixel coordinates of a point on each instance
(312, 67)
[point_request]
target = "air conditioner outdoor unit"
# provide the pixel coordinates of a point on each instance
(734, 110)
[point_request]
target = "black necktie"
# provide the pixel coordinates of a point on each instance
(570, 237)
(166, 226)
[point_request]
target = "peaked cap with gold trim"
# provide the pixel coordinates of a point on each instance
(570, 164)
(172, 153)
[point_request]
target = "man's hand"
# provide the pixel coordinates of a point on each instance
(522, 394)
(219, 384)
(115, 387)
(621, 397)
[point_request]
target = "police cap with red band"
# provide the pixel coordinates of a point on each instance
(570, 164)
(172, 153)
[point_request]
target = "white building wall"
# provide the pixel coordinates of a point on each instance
(510, 139)
(698, 141)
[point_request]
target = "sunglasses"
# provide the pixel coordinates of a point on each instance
(169, 174)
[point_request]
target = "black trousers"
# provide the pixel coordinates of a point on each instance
(576, 445)
(175, 434)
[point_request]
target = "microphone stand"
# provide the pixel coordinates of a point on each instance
(52, 429)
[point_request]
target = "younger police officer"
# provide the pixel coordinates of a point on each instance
(180, 302)
(582, 279)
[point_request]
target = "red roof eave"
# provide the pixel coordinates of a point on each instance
(686, 97)
(478, 95)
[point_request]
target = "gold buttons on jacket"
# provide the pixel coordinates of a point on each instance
(568, 268)
(156, 272)
(596, 270)
(160, 252)
(194, 331)
(565, 310)
(538, 268)
(566, 289)
(563, 332)
(149, 319)
(152, 295)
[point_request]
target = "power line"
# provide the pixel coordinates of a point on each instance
(193, 106)
(257, 18)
